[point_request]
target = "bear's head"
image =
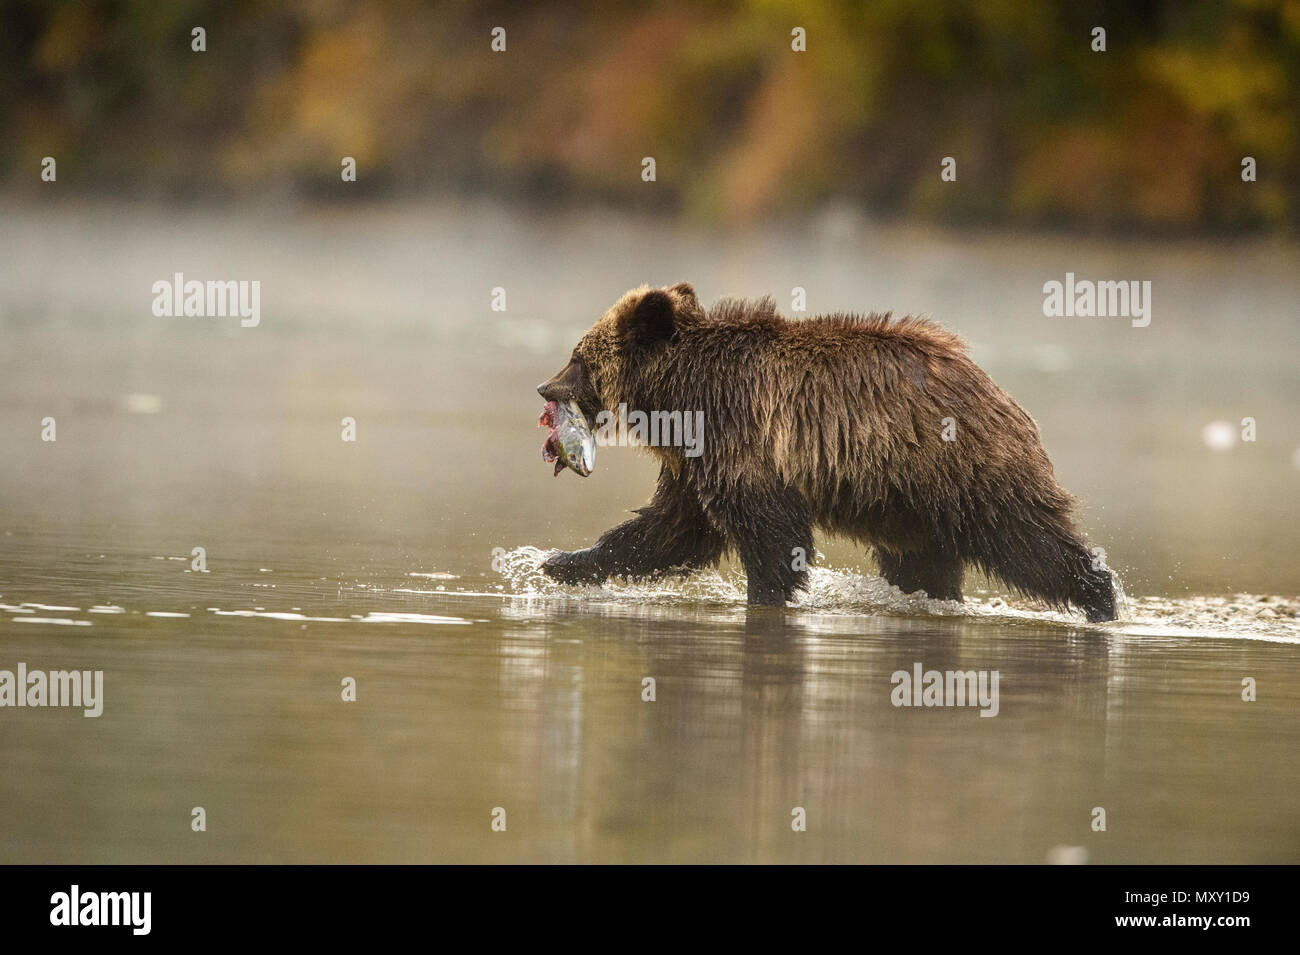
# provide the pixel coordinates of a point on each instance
(608, 360)
(611, 369)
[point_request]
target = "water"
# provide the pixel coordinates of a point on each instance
(482, 686)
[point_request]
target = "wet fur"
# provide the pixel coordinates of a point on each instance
(834, 423)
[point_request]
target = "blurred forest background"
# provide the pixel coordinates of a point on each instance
(1147, 137)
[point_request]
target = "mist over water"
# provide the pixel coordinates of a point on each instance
(481, 687)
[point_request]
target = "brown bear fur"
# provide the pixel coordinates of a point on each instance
(832, 422)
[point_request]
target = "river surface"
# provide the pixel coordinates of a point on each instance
(404, 562)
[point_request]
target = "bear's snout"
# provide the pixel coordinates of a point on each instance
(571, 383)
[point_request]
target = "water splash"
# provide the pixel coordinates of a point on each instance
(521, 568)
(834, 591)
(1246, 616)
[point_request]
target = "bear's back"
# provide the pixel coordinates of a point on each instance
(865, 396)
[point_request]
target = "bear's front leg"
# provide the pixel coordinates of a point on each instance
(670, 533)
(770, 527)
(576, 567)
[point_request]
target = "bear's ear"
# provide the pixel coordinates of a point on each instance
(651, 321)
(686, 293)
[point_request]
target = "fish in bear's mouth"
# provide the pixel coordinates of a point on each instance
(569, 442)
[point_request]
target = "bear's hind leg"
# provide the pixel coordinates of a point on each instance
(934, 571)
(770, 527)
(1044, 560)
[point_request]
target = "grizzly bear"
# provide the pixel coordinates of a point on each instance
(879, 430)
